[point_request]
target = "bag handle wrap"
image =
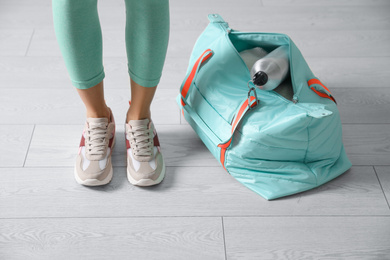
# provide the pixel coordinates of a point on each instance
(192, 75)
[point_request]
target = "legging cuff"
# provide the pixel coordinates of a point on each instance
(85, 84)
(144, 82)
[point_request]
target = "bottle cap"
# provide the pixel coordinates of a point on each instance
(260, 78)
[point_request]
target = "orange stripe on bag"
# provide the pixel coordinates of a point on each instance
(317, 81)
(190, 78)
(324, 95)
(223, 151)
(241, 112)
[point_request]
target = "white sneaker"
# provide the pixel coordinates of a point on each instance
(93, 163)
(145, 164)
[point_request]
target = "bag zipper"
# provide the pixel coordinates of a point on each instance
(274, 93)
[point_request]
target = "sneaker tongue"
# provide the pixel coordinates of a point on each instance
(139, 122)
(97, 120)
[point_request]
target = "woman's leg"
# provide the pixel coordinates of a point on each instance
(93, 99)
(147, 34)
(78, 33)
(141, 99)
(79, 36)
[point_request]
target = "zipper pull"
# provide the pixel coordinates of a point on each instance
(295, 99)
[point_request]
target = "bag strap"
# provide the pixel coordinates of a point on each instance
(320, 89)
(192, 75)
(245, 106)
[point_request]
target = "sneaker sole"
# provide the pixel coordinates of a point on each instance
(146, 182)
(93, 182)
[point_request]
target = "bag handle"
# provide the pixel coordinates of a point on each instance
(320, 89)
(245, 106)
(206, 55)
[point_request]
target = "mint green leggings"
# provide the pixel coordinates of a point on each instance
(79, 35)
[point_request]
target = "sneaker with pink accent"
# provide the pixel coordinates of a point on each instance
(93, 163)
(145, 164)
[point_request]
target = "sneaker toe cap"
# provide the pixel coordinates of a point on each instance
(145, 169)
(93, 171)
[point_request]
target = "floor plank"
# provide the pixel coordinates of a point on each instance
(48, 3)
(333, 197)
(186, 191)
(277, 18)
(19, 16)
(15, 42)
(307, 237)
(33, 72)
(348, 43)
(63, 106)
(15, 141)
(363, 105)
(112, 238)
(351, 73)
(367, 144)
(383, 173)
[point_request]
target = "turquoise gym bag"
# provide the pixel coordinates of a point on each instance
(274, 146)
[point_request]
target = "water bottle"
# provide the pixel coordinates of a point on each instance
(250, 56)
(268, 72)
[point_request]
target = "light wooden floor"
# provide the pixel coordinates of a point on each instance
(199, 211)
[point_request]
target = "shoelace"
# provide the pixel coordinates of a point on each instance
(143, 140)
(95, 138)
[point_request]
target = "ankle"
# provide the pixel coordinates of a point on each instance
(101, 113)
(137, 116)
